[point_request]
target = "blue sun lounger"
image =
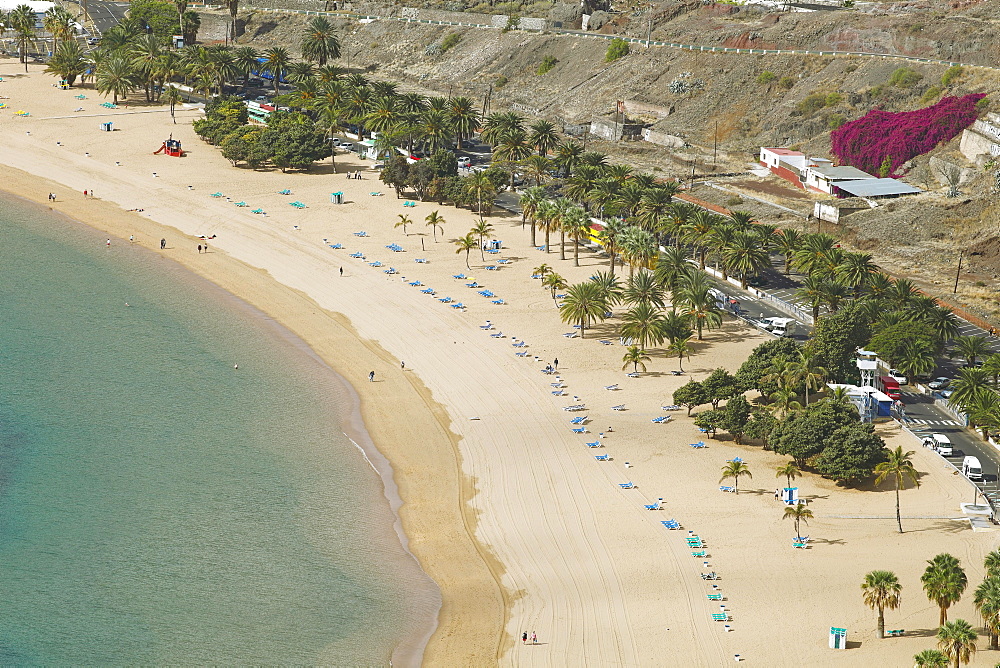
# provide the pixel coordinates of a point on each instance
(698, 445)
(286, 191)
(376, 263)
(336, 246)
(499, 302)
(579, 420)
(428, 291)
(420, 260)
(626, 485)
(459, 276)
(701, 554)
(671, 524)
(357, 254)
(458, 305)
(361, 234)
(726, 488)
(445, 300)
(602, 458)
(652, 506)
(594, 444)
(580, 430)
(415, 284)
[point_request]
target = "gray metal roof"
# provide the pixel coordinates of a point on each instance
(877, 187)
(842, 172)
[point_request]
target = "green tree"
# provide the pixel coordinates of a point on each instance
(852, 453)
(807, 371)
(643, 324)
(958, 641)
(481, 189)
(68, 62)
(618, 48)
(784, 399)
(466, 244)
(720, 385)
(635, 356)
(805, 433)
(969, 384)
(746, 256)
(584, 303)
(576, 224)
(916, 358)
(276, 61)
(882, 590)
(800, 513)
(689, 395)
(735, 470)
(766, 356)
(483, 231)
(643, 288)
(404, 220)
(899, 468)
(836, 339)
(554, 282)
(709, 421)
(116, 76)
(761, 426)
(543, 137)
(736, 417)
(944, 582)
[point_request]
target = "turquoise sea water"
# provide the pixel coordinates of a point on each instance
(159, 506)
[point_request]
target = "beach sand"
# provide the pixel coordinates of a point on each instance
(503, 505)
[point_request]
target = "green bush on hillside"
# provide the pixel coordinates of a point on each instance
(950, 75)
(786, 82)
(451, 40)
(617, 49)
(835, 121)
(833, 99)
(548, 62)
(904, 77)
(811, 104)
(930, 95)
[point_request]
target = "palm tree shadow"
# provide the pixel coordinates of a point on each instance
(828, 541)
(947, 526)
(922, 633)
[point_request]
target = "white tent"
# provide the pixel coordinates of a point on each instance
(40, 6)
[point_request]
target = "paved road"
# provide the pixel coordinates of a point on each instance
(104, 15)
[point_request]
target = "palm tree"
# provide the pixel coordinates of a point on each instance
(434, 221)
(790, 471)
(881, 591)
(812, 291)
(930, 658)
(746, 256)
(496, 126)
(800, 513)
(958, 641)
(543, 136)
(855, 270)
(784, 400)
(172, 96)
(611, 287)
(735, 470)
(971, 348)
(637, 248)
(484, 231)
(680, 346)
(788, 242)
(116, 76)
(568, 155)
(987, 602)
(554, 282)
(968, 385)
(833, 292)
(653, 206)
(643, 323)
(576, 223)
(984, 411)
(699, 304)
(529, 201)
(635, 356)
(536, 167)
(463, 117)
(899, 468)
(944, 582)
(699, 231)
(404, 220)
(672, 269)
(68, 62)
(479, 186)
(541, 270)
(916, 357)
(813, 252)
(466, 243)
(807, 371)
(61, 23)
(22, 20)
(608, 237)
(584, 302)
(319, 41)
(992, 564)
(276, 61)
(246, 62)
(643, 288)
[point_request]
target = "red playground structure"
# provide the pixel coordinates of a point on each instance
(171, 147)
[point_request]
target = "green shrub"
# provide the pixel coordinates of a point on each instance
(548, 62)
(617, 49)
(904, 77)
(950, 75)
(833, 99)
(835, 121)
(513, 23)
(983, 105)
(786, 82)
(452, 39)
(876, 91)
(848, 3)
(885, 168)
(500, 82)
(766, 77)
(930, 94)
(850, 68)
(735, 200)
(811, 104)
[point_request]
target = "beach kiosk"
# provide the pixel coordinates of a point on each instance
(838, 638)
(337, 197)
(107, 127)
(790, 496)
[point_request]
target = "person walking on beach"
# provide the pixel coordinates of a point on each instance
(341, 272)
(524, 638)
(206, 248)
(371, 376)
(534, 638)
(199, 249)
(84, 194)
(402, 364)
(109, 243)
(163, 244)
(555, 364)
(131, 238)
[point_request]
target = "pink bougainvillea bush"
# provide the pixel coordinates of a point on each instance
(866, 142)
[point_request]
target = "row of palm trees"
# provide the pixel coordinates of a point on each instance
(944, 582)
(59, 22)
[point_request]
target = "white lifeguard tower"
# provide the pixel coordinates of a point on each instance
(867, 368)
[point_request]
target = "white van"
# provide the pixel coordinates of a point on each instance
(941, 443)
(972, 469)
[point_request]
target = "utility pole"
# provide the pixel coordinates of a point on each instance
(649, 30)
(715, 145)
(958, 273)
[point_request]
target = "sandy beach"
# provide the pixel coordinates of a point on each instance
(503, 505)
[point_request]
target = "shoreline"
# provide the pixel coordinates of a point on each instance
(298, 318)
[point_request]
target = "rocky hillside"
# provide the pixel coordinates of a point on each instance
(725, 106)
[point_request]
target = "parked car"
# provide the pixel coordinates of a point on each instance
(465, 161)
(897, 376)
(939, 383)
(946, 393)
(347, 146)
